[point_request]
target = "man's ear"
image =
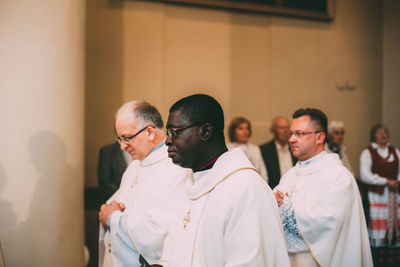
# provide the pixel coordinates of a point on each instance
(151, 131)
(321, 137)
(206, 132)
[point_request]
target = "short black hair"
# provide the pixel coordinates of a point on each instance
(200, 109)
(316, 115)
(376, 128)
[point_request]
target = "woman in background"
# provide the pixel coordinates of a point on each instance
(239, 135)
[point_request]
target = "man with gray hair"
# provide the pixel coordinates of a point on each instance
(334, 143)
(136, 218)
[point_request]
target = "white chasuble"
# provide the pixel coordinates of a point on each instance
(229, 217)
(152, 190)
(328, 211)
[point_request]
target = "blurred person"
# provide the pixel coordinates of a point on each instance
(136, 218)
(319, 202)
(278, 157)
(334, 143)
(379, 169)
(111, 166)
(229, 216)
(239, 135)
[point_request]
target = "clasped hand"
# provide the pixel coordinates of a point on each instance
(393, 184)
(107, 209)
(279, 197)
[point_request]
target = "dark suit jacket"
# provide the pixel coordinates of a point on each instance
(270, 156)
(110, 169)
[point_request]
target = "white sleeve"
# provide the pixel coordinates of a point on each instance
(253, 235)
(147, 231)
(366, 174)
(167, 249)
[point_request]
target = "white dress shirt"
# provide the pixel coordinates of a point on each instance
(284, 157)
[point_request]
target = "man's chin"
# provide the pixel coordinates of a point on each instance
(134, 156)
(177, 160)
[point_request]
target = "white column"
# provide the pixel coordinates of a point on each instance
(42, 132)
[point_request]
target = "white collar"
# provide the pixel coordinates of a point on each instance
(155, 156)
(375, 146)
(228, 163)
(317, 163)
(312, 160)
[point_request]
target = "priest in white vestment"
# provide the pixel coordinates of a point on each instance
(228, 216)
(136, 219)
(319, 201)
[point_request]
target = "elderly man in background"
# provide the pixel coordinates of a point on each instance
(278, 157)
(319, 201)
(379, 169)
(136, 218)
(334, 143)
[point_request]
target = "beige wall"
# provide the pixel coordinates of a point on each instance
(257, 66)
(391, 69)
(41, 155)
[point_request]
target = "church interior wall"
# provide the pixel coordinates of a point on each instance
(257, 66)
(57, 111)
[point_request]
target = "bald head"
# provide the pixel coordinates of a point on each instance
(280, 129)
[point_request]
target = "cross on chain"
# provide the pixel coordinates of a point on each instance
(186, 219)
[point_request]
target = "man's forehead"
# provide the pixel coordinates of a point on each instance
(280, 121)
(126, 122)
(177, 118)
(301, 122)
(338, 129)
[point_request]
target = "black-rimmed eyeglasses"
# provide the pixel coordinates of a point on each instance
(173, 132)
(126, 140)
(301, 134)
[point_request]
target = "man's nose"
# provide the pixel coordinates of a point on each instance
(168, 140)
(123, 145)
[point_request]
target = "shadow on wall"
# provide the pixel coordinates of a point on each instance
(47, 237)
(51, 213)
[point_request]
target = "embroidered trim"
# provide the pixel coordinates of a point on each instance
(223, 179)
(140, 183)
(294, 241)
(305, 241)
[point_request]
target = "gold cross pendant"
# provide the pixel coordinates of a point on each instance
(109, 246)
(186, 219)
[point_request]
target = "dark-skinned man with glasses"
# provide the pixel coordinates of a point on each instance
(319, 202)
(229, 216)
(135, 220)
